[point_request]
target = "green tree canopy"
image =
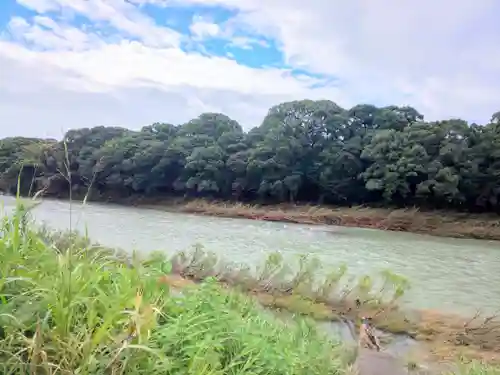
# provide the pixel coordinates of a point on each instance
(304, 151)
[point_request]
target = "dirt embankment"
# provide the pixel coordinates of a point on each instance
(437, 223)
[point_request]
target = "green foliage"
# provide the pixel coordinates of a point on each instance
(76, 310)
(308, 151)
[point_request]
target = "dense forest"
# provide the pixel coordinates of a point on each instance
(304, 151)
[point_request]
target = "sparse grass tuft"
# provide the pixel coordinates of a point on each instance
(474, 368)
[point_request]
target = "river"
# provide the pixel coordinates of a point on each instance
(448, 274)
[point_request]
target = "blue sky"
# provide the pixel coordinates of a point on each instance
(76, 63)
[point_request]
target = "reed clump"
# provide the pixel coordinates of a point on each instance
(307, 287)
(437, 223)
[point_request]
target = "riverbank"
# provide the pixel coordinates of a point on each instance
(442, 337)
(75, 307)
(435, 223)
(300, 289)
(439, 223)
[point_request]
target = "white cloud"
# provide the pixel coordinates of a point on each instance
(44, 107)
(66, 77)
(40, 6)
(130, 63)
(44, 32)
(201, 28)
(438, 57)
(118, 13)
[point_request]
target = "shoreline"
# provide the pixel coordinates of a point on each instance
(398, 220)
(437, 335)
(437, 223)
(443, 336)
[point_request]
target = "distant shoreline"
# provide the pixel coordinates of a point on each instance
(436, 223)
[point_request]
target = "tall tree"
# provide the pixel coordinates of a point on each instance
(308, 151)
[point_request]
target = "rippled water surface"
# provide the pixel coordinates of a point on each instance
(448, 274)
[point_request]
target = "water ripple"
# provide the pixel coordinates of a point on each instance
(445, 273)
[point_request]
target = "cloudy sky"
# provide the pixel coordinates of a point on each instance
(80, 63)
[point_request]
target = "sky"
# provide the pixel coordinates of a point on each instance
(81, 63)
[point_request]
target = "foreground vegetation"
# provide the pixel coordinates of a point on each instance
(68, 307)
(71, 307)
(304, 151)
(73, 310)
(309, 289)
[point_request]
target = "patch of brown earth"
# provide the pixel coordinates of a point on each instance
(437, 223)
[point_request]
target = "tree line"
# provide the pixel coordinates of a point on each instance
(304, 151)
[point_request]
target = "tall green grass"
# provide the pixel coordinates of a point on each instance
(82, 312)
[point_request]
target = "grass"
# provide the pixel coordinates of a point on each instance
(74, 310)
(67, 307)
(475, 368)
